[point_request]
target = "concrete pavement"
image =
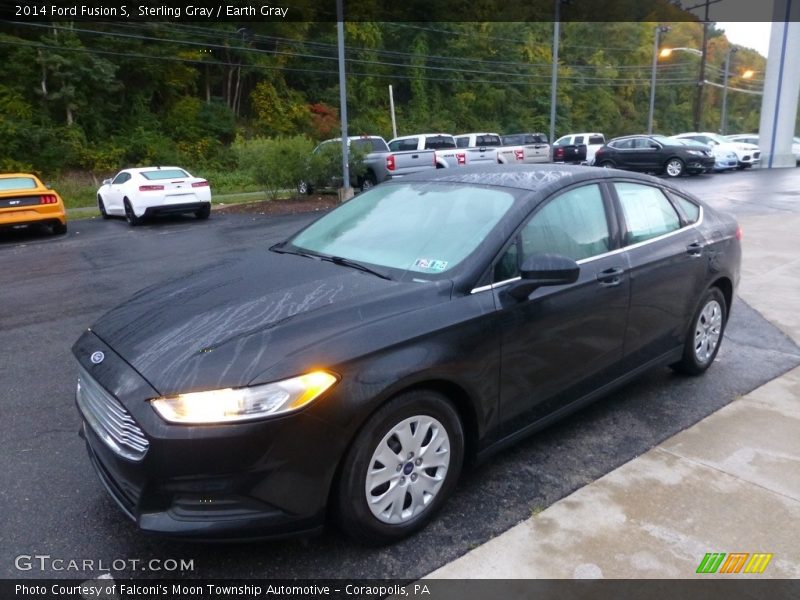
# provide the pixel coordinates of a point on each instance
(730, 483)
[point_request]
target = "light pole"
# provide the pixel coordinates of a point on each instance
(668, 52)
(723, 124)
(658, 31)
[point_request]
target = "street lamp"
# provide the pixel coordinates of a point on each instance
(723, 124)
(658, 30)
(668, 51)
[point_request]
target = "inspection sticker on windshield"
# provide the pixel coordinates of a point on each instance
(432, 265)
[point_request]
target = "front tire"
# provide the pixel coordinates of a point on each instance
(704, 335)
(102, 208)
(368, 182)
(400, 468)
(130, 216)
(674, 167)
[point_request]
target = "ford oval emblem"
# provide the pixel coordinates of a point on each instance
(97, 357)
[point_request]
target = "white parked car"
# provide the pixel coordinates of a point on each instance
(567, 148)
(747, 154)
(147, 191)
(752, 138)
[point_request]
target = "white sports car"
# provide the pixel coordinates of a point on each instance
(147, 191)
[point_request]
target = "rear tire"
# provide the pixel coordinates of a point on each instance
(704, 334)
(400, 468)
(606, 164)
(58, 228)
(204, 212)
(304, 188)
(130, 216)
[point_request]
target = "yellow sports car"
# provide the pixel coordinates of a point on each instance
(25, 200)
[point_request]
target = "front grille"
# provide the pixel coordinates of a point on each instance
(756, 155)
(109, 419)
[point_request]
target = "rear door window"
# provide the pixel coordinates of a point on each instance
(647, 211)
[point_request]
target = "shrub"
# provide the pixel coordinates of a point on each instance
(324, 166)
(274, 164)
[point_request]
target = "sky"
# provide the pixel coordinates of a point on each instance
(749, 35)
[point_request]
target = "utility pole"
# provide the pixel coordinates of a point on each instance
(554, 76)
(347, 191)
(698, 102)
(391, 107)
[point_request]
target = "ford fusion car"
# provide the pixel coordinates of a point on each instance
(144, 192)
(347, 373)
(25, 200)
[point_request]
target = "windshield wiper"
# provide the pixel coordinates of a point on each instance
(337, 260)
(346, 262)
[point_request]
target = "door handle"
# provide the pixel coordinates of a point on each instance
(610, 277)
(694, 249)
(415, 156)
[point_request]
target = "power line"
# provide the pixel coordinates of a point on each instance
(579, 83)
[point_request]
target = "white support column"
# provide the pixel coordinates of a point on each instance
(781, 87)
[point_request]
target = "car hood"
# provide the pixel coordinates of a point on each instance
(740, 146)
(222, 327)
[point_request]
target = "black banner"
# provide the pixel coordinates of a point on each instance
(733, 588)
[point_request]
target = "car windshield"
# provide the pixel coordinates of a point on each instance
(661, 139)
(425, 228)
(17, 183)
(164, 174)
(717, 138)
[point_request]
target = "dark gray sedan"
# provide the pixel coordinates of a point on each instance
(349, 372)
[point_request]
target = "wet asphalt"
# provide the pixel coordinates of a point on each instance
(52, 288)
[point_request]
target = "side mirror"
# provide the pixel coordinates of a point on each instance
(543, 269)
(655, 147)
(106, 182)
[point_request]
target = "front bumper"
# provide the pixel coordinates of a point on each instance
(700, 164)
(258, 479)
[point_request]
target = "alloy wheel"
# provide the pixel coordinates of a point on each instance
(707, 331)
(407, 469)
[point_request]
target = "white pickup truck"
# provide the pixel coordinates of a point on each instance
(483, 148)
(535, 147)
(421, 152)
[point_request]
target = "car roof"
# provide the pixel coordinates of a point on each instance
(532, 177)
(477, 133)
(11, 175)
(417, 135)
(155, 168)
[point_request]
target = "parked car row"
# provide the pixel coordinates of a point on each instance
(686, 153)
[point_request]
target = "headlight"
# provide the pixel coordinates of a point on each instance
(242, 404)
(696, 152)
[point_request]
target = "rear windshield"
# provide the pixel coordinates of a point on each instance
(517, 139)
(597, 139)
(488, 140)
(17, 183)
(439, 142)
(164, 174)
(370, 145)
